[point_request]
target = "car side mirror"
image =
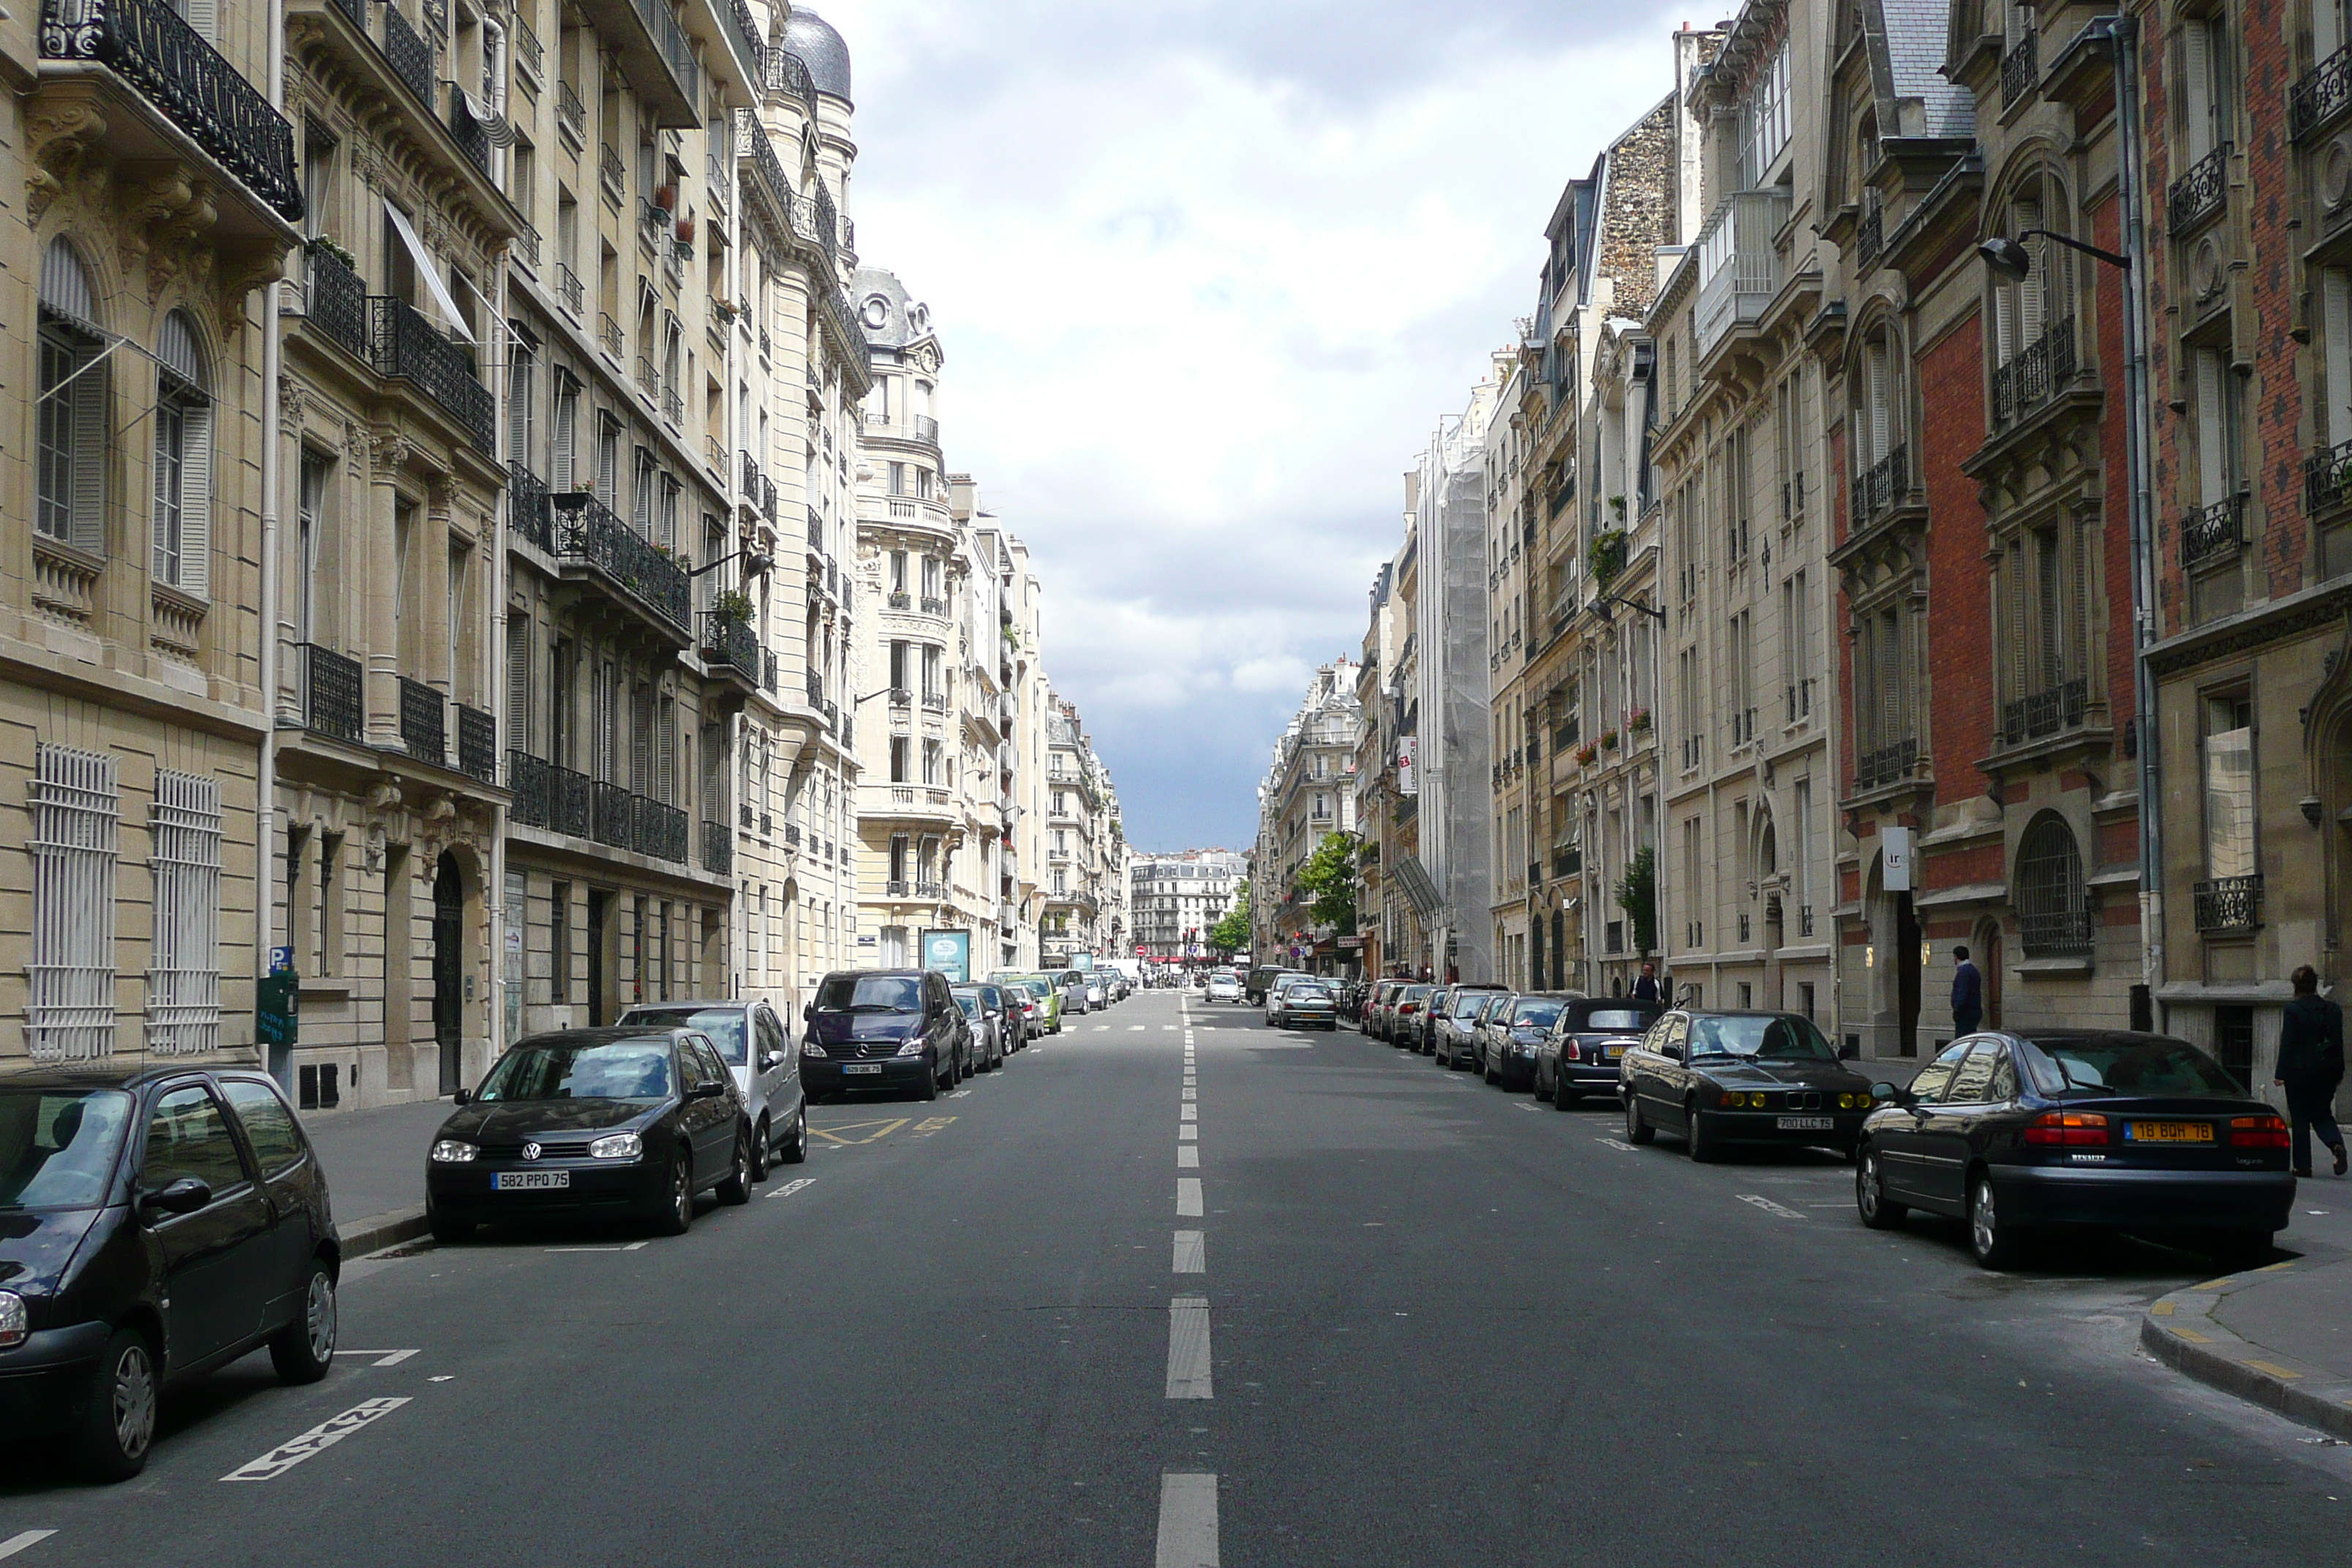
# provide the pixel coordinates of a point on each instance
(1888, 1092)
(808, 1014)
(1672, 1052)
(772, 1061)
(706, 1091)
(464, 1097)
(185, 1195)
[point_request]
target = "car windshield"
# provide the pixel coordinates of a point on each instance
(609, 1069)
(1538, 1014)
(1773, 1040)
(971, 1004)
(1607, 1017)
(870, 993)
(723, 1024)
(58, 1146)
(1415, 993)
(1467, 1006)
(2130, 1066)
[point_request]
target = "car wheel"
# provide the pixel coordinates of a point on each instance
(931, 1090)
(675, 1216)
(304, 1349)
(1486, 1062)
(1637, 1126)
(1562, 1097)
(1996, 1243)
(445, 1230)
(1878, 1211)
(737, 1187)
(114, 1423)
(760, 1151)
(1698, 1142)
(797, 1152)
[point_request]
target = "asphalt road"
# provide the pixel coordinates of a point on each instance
(1417, 1321)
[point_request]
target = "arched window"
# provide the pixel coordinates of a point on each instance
(2041, 303)
(181, 522)
(2054, 918)
(69, 503)
(1880, 425)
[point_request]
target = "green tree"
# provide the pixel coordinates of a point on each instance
(1637, 895)
(1232, 934)
(1329, 878)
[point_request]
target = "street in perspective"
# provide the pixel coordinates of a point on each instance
(1581, 793)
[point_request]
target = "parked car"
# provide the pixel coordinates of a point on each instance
(1046, 1015)
(1073, 987)
(884, 1028)
(1405, 1017)
(1377, 1006)
(1513, 1033)
(984, 1013)
(1281, 984)
(1308, 1004)
(2013, 1132)
(1263, 976)
(1580, 1056)
(1454, 1034)
(1097, 995)
(160, 1222)
(758, 1053)
(1490, 1017)
(1223, 988)
(1720, 1079)
(620, 1122)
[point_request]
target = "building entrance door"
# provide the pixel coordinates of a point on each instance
(448, 970)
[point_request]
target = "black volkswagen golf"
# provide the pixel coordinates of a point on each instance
(2078, 1127)
(155, 1223)
(583, 1122)
(1720, 1079)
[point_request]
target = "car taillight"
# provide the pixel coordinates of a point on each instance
(2257, 1132)
(1573, 1051)
(2067, 1128)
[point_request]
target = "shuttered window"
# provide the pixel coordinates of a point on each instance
(71, 437)
(2215, 394)
(2335, 324)
(519, 682)
(183, 975)
(565, 465)
(69, 1001)
(181, 524)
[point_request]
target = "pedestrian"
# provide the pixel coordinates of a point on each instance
(1968, 994)
(2310, 1066)
(1645, 988)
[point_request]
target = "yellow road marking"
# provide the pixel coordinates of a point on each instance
(2192, 1336)
(2162, 1310)
(886, 1128)
(934, 1124)
(2273, 1368)
(2212, 1285)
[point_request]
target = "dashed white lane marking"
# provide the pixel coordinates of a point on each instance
(1102, 1028)
(1192, 1252)
(1616, 1144)
(1187, 1113)
(316, 1441)
(629, 1247)
(1135, 1028)
(1188, 1348)
(24, 1538)
(1525, 1104)
(1169, 1028)
(1768, 1206)
(1188, 1521)
(1188, 1197)
(1188, 1156)
(375, 1358)
(1190, 1091)
(1188, 1130)
(789, 1188)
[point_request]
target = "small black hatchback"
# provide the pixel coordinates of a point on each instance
(155, 1224)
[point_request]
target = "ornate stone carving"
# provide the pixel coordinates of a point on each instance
(60, 127)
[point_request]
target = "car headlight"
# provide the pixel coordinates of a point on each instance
(913, 1048)
(14, 1323)
(616, 1146)
(811, 1049)
(453, 1152)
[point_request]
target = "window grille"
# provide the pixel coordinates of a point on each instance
(184, 977)
(70, 1009)
(2053, 914)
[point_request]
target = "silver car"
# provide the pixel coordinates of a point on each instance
(984, 1006)
(758, 1051)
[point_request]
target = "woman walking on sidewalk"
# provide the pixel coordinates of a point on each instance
(2310, 1066)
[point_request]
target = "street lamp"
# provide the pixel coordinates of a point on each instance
(2010, 256)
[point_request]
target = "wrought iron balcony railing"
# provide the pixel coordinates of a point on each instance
(477, 744)
(1870, 236)
(409, 348)
(473, 139)
(152, 47)
(2036, 371)
(586, 530)
(788, 73)
(1879, 488)
(570, 109)
(335, 301)
(526, 781)
(717, 849)
(2209, 533)
(411, 56)
(423, 724)
(2061, 707)
(611, 170)
(677, 52)
(611, 815)
(527, 507)
(729, 641)
(768, 679)
(2318, 98)
(1886, 764)
(2229, 903)
(568, 292)
(2328, 480)
(331, 703)
(927, 429)
(2021, 68)
(2200, 194)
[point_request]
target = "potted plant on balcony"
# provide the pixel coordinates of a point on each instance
(733, 604)
(1608, 739)
(1637, 720)
(1587, 755)
(1608, 557)
(320, 245)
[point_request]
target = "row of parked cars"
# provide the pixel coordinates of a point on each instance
(157, 1223)
(2020, 1134)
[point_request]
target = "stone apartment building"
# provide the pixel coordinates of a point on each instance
(1175, 899)
(1307, 794)
(1376, 785)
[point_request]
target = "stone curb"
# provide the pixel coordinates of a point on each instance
(2180, 1331)
(383, 1230)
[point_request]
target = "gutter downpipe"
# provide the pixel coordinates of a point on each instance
(2121, 34)
(264, 802)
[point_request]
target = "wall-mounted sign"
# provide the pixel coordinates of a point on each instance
(1895, 864)
(1408, 757)
(949, 952)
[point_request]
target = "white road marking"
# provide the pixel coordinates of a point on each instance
(1135, 1028)
(789, 1188)
(1191, 1091)
(1187, 1113)
(24, 1538)
(1616, 1144)
(630, 1247)
(1188, 1348)
(1192, 1252)
(1188, 1130)
(380, 1358)
(1525, 1104)
(1768, 1206)
(1170, 1027)
(1188, 1197)
(958, 1094)
(316, 1440)
(1188, 1522)
(1188, 1156)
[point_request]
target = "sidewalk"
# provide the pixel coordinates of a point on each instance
(374, 1161)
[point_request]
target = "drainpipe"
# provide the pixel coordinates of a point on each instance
(2121, 34)
(265, 786)
(496, 342)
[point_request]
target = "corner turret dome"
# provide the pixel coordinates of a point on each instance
(820, 49)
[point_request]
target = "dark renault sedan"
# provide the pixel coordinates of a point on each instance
(155, 1223)
(2138, 1133)
(1720, 1079)
(625, 1122)
(885, 1028)
(1582, 1054)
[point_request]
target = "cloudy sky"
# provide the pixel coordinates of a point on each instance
(1207, 274)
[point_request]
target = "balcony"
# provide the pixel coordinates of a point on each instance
(2060, 707)
(406, 347)
(1869, 235)
(1739, 265)
(592, 541)
(661, 831)
(2317, 99)
(529, 512)
(730, 647)
(477, 744)
(410, 57)
(2036, 373)
(2021, 68)
(2227, 905)
(189, 94)
(423, 725)
(927, 430)
(717, 849)
(571, 111)
(1882, 487)
(1567, 863)
(331, 704)
(1886, 764)
(473, 138)
(815, 686)
(768, 676)
(656, 58)
(611, 815)
(2198, 195)
(568, 292)
(2210, 533)
(548, 796)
